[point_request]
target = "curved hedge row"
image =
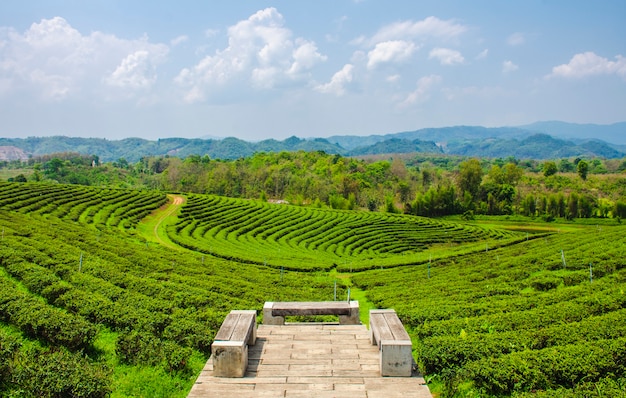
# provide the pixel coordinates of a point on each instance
(64, 284)
(517, 319)
(304, 238)
(92, 205)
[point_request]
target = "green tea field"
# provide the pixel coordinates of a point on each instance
(113, 292)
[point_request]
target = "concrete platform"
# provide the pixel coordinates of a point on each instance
(310, 360)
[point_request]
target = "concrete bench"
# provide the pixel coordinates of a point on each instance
(394, 343)
(274, 313)
(230, 346)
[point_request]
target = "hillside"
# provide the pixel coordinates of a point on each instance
(397, 145)
(440, 135)
(614, 133)
(537, 146)
(532, 142)
(133, 149)
(9, 153)
(91, 304)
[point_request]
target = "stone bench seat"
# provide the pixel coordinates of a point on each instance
(274, 313)
(230, 346)
(394, 343)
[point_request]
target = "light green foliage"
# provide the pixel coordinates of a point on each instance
(162, 306)
(305, 238)
(470, 176)
(492, 311)
(425, 185)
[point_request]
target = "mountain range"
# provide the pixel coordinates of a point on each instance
(542, 140)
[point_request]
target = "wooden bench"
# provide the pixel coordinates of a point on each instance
(394, 343)
(274, 313)
(230, 346)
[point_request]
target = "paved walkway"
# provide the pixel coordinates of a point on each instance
(310, 360)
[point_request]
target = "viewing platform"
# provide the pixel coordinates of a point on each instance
(310, 360)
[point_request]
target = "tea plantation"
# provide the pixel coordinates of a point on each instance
(91, 308)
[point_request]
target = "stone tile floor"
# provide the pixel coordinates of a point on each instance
(310, 360)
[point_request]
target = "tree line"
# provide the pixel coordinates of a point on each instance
(423, 185)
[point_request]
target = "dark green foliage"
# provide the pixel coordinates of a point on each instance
(138, 347)
(470, 176)
(620, 209)
(582, 168)
(41, 321)
(132, 149)
(516, 319)
(49, 372)
(550, 368)
(549, 168)
(57, 373)
(396, 145)
(9, 347)
(472, 141)
(496, 310)
(162, 307)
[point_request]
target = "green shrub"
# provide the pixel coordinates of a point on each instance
(58, 373)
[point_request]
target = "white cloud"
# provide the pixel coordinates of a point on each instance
(446, 56)
(261, 50)
(509, 66)
(428, 27)
(338, 82)
(305, 57)
(516, 39)
(137, 70)
(393, 78)
(178, 40)
(422, 91)
(589, 64)
(57, 62)
(53, 87)
(390, 51)
(483, 54)
(209, 33)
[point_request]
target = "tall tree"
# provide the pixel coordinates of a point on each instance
(470, 176)
(583, 169)
(549, 168)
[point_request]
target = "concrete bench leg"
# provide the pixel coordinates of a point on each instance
(268, 318)
(353, 318)
(395, 358)
(230, 358)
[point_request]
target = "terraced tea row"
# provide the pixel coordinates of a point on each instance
(90, 205)
(69, 286)
(510, 314)
(309, 238)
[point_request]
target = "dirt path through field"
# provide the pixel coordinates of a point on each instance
(176, 201)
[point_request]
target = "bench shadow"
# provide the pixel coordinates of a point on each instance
(254, 356)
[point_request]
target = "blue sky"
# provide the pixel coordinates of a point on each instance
(272, 69)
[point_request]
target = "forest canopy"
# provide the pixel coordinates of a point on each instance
(419, 184)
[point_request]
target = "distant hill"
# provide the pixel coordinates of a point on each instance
(559, 140)
(613, 133)
(8, 153)
(397, 145)
(132, 149)
(520, 142)
(537, 146)
(440, 136)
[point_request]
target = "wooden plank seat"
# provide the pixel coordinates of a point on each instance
(230, 346)
(274, 313)
(394, 343)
